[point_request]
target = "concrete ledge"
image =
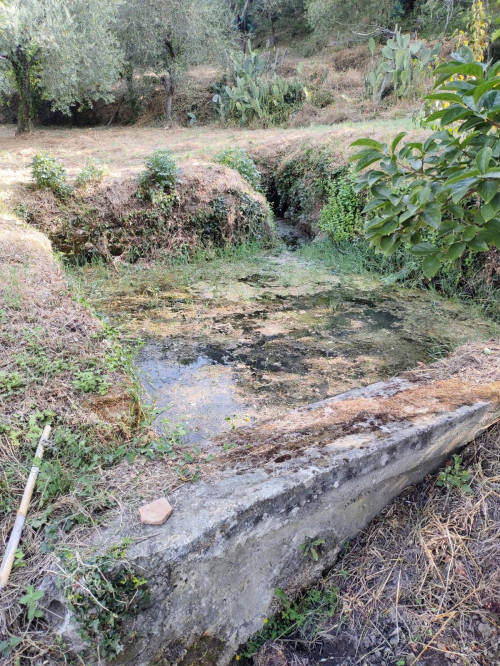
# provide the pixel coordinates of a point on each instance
(214, 566)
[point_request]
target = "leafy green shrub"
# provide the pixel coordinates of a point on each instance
(441, 196)
(238, 159)
(92, 172)
(161, 173)
(454, 476)
(341, 217)
(49, 173)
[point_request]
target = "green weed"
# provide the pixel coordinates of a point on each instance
(298, 618)
(161, 173)
(91, 381)
(238, 159)
(310, 547)
(49, 173)
(92, 172)
(104, 592)
(30, 599)
(10, 383)
(453, 476)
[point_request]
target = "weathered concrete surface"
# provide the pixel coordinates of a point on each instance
(214, 566)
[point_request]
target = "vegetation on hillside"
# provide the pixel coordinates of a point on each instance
(141, 49)
(421, 210)
(167, 211)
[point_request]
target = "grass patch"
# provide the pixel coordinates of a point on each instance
(299, 619)
(473, 282)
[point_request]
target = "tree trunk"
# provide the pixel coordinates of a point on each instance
(244, 25)
(132, 95)
(272, 41)
(22, 77)
(169, 85)
(168, 106)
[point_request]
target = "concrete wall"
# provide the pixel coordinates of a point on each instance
(214, 565)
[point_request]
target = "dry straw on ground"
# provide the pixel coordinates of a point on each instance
(421, 585)
(40, 323)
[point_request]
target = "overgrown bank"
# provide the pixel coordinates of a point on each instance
(63, 366)
(311, 185)
(165, 212)
(102, 453)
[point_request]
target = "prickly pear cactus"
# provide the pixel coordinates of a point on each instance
(403, 62)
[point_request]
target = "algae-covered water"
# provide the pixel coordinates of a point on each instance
(238, 339)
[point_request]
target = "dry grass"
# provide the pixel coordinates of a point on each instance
(124, 148)
(45, 338)
(421, 585)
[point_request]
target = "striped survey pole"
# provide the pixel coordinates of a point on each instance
(17, 530)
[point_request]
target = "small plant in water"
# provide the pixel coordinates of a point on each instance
(453, 476)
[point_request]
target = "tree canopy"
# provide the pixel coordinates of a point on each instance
(165, 37)
(64, 52)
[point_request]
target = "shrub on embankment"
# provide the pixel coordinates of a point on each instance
(167, 212)
(312, 185)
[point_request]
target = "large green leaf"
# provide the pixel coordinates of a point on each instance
(431, 265)
(423, 249)
(487, 189)
(456, 250)
(431, 213)
(369, 143)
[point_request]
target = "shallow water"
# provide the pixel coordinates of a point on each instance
(253, 339)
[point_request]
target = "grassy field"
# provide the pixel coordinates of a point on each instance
(124, 148)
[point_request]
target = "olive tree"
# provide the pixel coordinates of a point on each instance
(441, 196)
(333, 20)
(165, 37)
(62, 51)
(263, 15)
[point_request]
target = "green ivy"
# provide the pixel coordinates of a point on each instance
(341, 216)
(105, 592)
